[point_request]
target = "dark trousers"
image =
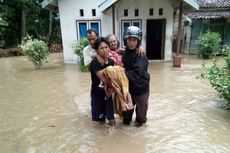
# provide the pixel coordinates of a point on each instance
(93, 108)
(141, 103)
(103, 108)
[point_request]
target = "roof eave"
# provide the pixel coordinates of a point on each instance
(192, 3)
(50, 5)
(106, 4)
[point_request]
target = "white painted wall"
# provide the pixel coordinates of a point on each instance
(69, 13)
(144, 6)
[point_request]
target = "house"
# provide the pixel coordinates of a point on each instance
(213, 15)
(154, 17)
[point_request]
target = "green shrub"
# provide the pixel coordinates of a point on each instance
(208, 44)
(36, 51)
(219, 77)
(78, 50)
(225, 50)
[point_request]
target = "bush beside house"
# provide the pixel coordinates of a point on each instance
(208, 44)
(78, 50)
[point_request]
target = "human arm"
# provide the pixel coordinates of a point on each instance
(107, 83)
(88, 55)
(98, 70)
(137, 68)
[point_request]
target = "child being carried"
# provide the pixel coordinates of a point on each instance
(120, 85)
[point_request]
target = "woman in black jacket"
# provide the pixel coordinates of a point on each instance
(136, 71)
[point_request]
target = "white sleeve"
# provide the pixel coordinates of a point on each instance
(86, 56)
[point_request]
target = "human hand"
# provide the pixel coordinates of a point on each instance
(122, 65)
(93, 55)
(120, 50)
(140, 51)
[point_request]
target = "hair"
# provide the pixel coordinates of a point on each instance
(89, 31)
(99, 41)
(118, 42)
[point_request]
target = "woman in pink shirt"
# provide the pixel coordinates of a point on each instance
(115, 52)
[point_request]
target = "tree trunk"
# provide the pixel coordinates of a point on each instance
(50, 25)
(23, 28)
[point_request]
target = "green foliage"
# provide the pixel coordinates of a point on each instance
(36, 51)
(225, 50)
(219, 77)
(208, 44)
(36, 18)
(78, 50)
(3, 22)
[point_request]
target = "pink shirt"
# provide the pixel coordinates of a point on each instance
(115, 57)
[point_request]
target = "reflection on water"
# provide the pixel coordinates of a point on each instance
(47, 110)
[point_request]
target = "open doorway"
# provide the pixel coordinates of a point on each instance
(155, 38)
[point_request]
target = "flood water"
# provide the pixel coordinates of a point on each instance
(47, 110)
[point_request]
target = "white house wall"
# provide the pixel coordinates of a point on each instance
(144, 6)
(69, 13)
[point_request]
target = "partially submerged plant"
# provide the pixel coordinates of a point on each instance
(219, 77)
(36, 51)
(78, 50)
(225, 50)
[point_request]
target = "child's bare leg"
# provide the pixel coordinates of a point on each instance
(130, 102)
(124, 106)
(108, 90)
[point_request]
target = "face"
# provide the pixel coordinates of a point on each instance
(103, 50)
(113, 43)
(91, 38)
(132, 43)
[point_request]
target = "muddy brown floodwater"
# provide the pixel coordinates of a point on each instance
(47, 110)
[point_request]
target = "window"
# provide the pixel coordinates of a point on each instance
(126, 23)
(93, 12)
(136, 23)
(125, 12)
(82, 29)
(81, 12)
(151, 12)
(94, 25)
(83, 26)
(136, 12)
(160, 11)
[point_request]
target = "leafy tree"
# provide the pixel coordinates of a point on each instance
(26, 17)
(11, 14)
